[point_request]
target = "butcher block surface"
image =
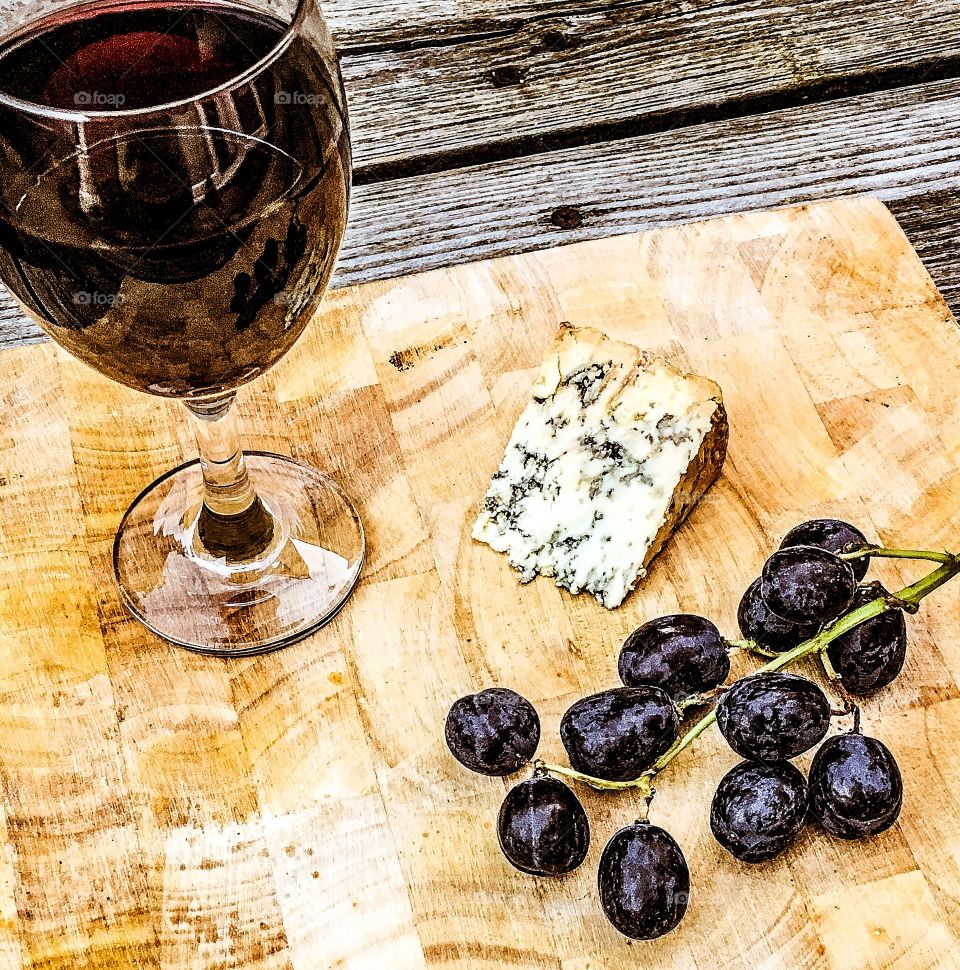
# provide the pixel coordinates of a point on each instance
(301, 809)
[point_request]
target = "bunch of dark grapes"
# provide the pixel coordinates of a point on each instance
(769, 718)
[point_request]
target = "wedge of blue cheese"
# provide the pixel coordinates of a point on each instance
(612, 453)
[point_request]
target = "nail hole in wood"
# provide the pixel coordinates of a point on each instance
(567, 217)
(510, 75)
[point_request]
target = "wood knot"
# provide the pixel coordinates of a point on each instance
(509, 75)
(567, 217)
(558, 40)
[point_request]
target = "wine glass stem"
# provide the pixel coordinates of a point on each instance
(234, 524)
(227, 486)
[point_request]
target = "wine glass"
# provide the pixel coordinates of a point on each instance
(174, 186)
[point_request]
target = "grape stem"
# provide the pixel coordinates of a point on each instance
(748, 646)
(879, 552)
(844, 711)
(602, 784)
(828, 668)
(698, 700)
(908, 598)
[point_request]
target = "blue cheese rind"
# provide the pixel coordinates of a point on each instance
(609, 456)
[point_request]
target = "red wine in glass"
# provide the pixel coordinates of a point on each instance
(174, 186)
(170, 258)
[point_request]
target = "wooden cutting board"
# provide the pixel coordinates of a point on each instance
(301, 810)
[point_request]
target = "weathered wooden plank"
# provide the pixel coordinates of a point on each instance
(370, 24)
(15, 328)
(898, 145)
(932, 223)
(629, 69)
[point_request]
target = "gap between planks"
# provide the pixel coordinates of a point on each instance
(896, 145)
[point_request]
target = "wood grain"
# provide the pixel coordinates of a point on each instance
(900, 146)
(931, 221)
(300, 810)
(364, 24)
(891, 144)
(634, 67)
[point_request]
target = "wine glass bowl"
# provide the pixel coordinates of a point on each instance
(175, 187)
(245, 271)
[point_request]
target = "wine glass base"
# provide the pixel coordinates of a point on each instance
(294, 585)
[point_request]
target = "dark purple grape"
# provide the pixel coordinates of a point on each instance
(542, 827)
(494, 732)
(644, 881)
(804, 584)
(773, 716)
(759, 809)
(871, 655)
(834, 535)
(758, 623)
(683, 654)
(855, 786)
(617, 734)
